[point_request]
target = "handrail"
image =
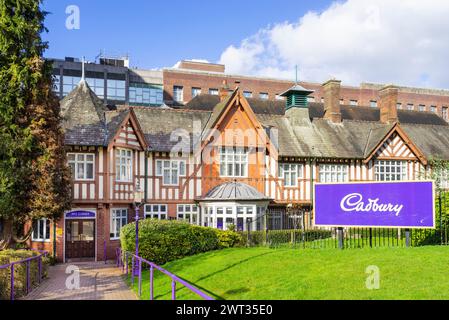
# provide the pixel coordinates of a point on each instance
(137, 271)
(27, 261)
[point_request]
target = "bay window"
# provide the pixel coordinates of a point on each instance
(390, 170)
(188, 213)
(233, 162)
(123, 165)
(81, 165)
(170, 170)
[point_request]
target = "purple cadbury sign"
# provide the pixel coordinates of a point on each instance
(384, 204)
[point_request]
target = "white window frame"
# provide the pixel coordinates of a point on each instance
(373, 104)
(188, 209)
(433, 109)
(444, 179)
(237, 157)
(264, 95)
(290, 173)
(421, 108)
(383, 170)
(444, 113)
(123, 165)
(196, 91)
(248, 94)
(76, 163)
(118, 216)
(410, 106)
(156, 211)
(178, 93)
(174, 168)
(353, 102)
(213, 91)
(329, 172)
(45, 236)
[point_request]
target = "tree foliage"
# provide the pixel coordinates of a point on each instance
(34, 178)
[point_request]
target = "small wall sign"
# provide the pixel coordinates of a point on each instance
(80, 215)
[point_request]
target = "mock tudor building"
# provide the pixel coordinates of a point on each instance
(226, 159)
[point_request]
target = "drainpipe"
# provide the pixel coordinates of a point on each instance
(146, 177)
(54, 239)
(311, 161)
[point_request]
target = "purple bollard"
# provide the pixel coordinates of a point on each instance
(151, 283)
(173, 290)
(12, 282)
(140, 277)
(28, 277)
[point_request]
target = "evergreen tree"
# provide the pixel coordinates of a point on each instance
(34, 178)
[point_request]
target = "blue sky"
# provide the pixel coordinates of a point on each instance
(159, 33)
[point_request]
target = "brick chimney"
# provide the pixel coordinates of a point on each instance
(224, 90)
(331, 91)
(387, 104)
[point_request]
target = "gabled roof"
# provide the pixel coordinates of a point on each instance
(84, 119)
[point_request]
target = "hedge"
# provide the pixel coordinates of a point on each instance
(276, 237)
(161, 241)
(7, 256)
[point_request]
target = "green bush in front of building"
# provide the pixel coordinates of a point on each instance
(7, 256)
(161, 241)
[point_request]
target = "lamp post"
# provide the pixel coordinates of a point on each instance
(138, 195)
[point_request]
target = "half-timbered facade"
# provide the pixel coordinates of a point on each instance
(224, 160)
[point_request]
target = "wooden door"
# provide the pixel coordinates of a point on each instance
(80, 239)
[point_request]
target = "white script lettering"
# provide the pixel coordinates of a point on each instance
(354, 202)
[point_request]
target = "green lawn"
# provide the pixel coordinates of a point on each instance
(264, 273)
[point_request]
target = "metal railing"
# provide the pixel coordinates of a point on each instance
(122, 260)
(11, 265)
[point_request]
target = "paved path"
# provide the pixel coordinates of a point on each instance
(97, 282)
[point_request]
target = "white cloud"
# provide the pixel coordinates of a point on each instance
(389, 41)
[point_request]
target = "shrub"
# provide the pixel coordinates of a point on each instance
(161, 241)
(276, 237)
(7, 256)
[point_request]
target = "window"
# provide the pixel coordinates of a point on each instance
(170, 170)
(444, 113)
(116, 90)
(421, 108)
(188, 213)
(353, 102)
(310, 99)
(247, 94)
(178, 93)
(410, 107)
(399, 106)
(56, 83)
(333, 172)
(213, 92)
(97, 86)
(433, 109)
(123, 165)
(342, 101)
(156, 211)
(41, 230)
(233, 162)
(82, 165)
(146, 94)
(263, 96)
(70, 83)
(279, 97)
(373, 104)
(290, 172)
(390, 170)
(444, 179)
(119, 218)
(196, 92)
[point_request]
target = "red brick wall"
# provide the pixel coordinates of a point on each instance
(189, 80)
